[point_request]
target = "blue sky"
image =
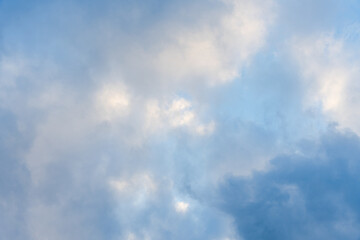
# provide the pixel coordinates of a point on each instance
(151, 120)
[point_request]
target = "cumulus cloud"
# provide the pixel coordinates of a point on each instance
(330, 71)
(311, 195)
(133, 119)
(192, 48)
(216, 51)
(181, 207)
(177, 113)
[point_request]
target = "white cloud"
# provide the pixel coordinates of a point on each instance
(112, 101)
(137, 189)
(177, 113)
(215, 52)
(138, 182)
(206, 129)
(131, 236)
(181, 207)
(330, 74)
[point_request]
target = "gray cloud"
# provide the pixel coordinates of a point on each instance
(304, 196)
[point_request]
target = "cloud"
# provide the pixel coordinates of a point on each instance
(191, 48)
(119, 119)
(181, 207)
(329, 69)
(217, 51)
(112, 101)
(303, 196)
(14, 177)
(178, 113)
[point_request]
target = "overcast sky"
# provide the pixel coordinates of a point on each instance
(179, 119)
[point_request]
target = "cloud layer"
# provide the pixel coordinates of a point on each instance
(220, 119)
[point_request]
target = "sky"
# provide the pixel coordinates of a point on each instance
(173, 120)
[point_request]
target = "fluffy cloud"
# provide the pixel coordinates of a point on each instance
(189, 49)
(176, 114)
(311, 195)
(330, 71)
(216, 51)
(116, 122)
(112, 101)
